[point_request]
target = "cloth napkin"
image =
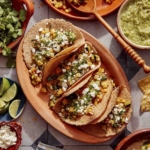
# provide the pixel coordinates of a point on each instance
(42, 146)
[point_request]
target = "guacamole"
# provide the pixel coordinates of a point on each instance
(135, 22)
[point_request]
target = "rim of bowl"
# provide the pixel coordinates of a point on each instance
(17, 128)
(124, 4)
(142, 134)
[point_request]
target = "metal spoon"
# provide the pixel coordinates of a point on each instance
(90, 8)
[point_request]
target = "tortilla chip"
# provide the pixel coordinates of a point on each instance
(103, 129)
(144, 85)
(145, 103)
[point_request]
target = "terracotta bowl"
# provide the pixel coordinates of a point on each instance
(16, 127)
(134, 137)
(121, 9)
(22, 4)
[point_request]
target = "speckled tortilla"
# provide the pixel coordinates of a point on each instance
(56, 24)
(109, 107)
(102, 130)
(97, 110)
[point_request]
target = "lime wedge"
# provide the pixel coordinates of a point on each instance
(5, 85)
(10, 93)
(4, 109)
(2, 103)
(13, 108)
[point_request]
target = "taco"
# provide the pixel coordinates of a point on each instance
(109, 107)
(87, 103)
(46, 40)
(64, 72)
(116, 120)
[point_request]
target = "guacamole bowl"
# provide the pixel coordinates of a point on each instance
(14, 21)
(133, 23)
(138, 137)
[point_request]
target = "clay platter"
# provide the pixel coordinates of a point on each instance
(39, 100)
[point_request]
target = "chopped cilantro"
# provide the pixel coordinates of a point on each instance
(10, 27)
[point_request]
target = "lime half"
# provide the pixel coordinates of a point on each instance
(13, 108)
(4, 109)
(10, 93)
(5, 85)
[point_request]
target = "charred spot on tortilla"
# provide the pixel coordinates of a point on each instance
(45, 41)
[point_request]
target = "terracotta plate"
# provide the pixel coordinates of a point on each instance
(40, 101)
(103, 9)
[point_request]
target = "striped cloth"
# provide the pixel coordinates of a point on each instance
(42, 146)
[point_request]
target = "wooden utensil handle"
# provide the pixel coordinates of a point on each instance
(29, 8)
(133, 54)
(127, 48)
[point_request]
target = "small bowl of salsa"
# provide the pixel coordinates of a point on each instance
(133, 22)
(138, 140)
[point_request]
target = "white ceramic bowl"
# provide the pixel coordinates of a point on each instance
(125, 4)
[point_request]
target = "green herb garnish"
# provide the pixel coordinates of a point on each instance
(10, 28)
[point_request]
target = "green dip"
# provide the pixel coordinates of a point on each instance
(135, 22)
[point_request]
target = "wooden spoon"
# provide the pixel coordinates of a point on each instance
(90, 8)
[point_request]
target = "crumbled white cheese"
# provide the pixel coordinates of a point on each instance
(37, 38)
(41, 29)
(85, 91)
(126, 120)
(51, 97)
(85, 46)
(111, 116)
(82, 101)
(64, 70)
(69, 64)
(117, 119)
(83, 66)
(33, 50)
(85, 55)
(96, 87)
(64, 86)
(92, 66)
(7, 137)
(93, 94)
